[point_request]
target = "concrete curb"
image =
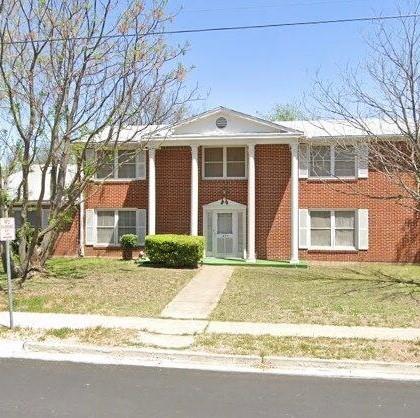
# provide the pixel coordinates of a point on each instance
(224, 362)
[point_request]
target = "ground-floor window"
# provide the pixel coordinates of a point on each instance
(111, 225)
(34, 218)
(332, 229)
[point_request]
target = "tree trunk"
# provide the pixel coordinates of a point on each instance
(127, 253)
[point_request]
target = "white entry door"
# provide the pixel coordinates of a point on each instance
(225, 232)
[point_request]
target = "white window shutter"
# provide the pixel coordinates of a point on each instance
(90, 219)
(45, 214)
(363, 229)
(363, 161)
(141, 225)
(141, 165)
(303, 161)
(303, 228)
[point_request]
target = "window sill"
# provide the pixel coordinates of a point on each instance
(333, 250)
(112, 246)
(224, 178)
(109, 181)
(332, 179)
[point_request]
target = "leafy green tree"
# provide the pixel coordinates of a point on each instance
(284, 112)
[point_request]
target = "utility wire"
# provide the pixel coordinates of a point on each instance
(218, 29)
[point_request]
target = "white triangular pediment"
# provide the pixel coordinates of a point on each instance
(225, 204)
(212, 123)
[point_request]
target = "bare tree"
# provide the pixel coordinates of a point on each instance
(385, 87)
(73, 71)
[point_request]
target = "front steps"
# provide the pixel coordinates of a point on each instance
(174, 341)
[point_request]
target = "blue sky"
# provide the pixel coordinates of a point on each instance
(252, 70)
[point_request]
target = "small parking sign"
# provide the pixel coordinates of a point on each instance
(7, 229)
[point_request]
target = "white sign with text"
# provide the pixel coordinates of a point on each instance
(7, 229)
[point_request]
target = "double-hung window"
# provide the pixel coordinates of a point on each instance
(105, 224)
(121, 164)
(126, 167)
(111, 225)
(224, 162)
(332, 229)
(332, 161)
(33, 218)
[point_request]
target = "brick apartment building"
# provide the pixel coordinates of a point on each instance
(253, 188)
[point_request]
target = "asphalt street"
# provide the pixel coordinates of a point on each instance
(30, 388)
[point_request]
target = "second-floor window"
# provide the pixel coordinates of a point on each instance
(121, 164)
(332, 161)
(224, 162)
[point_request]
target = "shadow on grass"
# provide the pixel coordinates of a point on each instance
(398, 286)
(370, 280)
(149, 264)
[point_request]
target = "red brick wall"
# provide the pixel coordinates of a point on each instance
(394, 231)
(173, 190)
(68, 241)
(126, 194)
(115, 194)
(272, 201)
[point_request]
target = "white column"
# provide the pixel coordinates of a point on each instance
(194, 189)
(152, 193)
(82, 226)
(251, 203)
(294, 257)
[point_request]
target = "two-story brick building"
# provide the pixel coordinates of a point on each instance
(253, 188)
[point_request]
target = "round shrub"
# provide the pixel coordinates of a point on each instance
(170, 250)
(129, 241)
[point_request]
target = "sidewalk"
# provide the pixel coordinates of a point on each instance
(201, 295)
(193, 327)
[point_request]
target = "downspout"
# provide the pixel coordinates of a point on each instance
(81, 226)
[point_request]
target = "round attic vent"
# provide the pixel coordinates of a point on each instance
(221, 122)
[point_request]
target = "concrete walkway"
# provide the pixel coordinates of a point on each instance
(201, 295)
(192, 327)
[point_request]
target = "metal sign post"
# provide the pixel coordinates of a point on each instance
(8, 233)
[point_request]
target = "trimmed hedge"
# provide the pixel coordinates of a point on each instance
(129, 241)
(172, 250)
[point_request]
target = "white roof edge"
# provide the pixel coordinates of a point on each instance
(339, 128)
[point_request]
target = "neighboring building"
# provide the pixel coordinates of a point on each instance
(253, 188)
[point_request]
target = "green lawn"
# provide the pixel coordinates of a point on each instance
(347, 294)
(99, 285)
(324, 348)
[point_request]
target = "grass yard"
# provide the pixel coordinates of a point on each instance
(346, 294)
(324, 348)
(99, 285)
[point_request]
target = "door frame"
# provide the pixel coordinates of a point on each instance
(229, 207)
